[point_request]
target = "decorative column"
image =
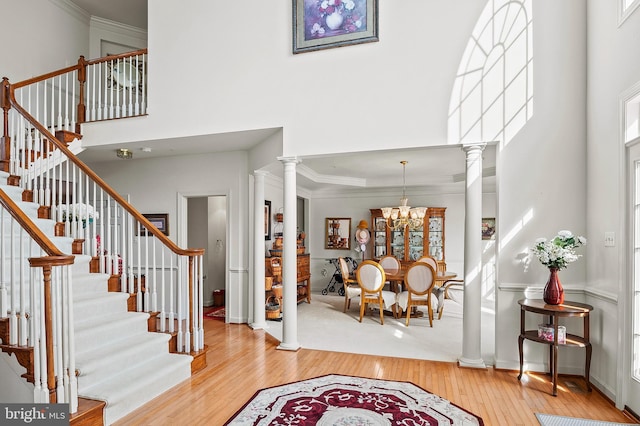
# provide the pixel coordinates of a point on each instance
(258, 251)
(289, 259)
(472, 302)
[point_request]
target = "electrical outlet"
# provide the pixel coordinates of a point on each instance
(609, 239)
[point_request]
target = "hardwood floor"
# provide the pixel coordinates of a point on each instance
(241, 361)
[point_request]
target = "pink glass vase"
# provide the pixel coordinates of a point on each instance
(553, 291)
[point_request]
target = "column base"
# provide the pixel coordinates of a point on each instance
(471, 363)
(288, 346)
(258, 325)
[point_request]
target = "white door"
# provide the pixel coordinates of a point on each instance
(633, 376)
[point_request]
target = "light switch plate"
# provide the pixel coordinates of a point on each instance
(609, 239)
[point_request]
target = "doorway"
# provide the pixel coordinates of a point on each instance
(207, 228)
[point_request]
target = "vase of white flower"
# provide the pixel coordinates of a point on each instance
(553, 293)
(556, 254)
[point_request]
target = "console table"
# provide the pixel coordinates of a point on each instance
(554, 312)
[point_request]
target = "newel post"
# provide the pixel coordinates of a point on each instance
(5, 149)
(193, 329)
(82, 79)
(48, 324)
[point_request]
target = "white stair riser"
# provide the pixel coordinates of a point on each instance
(104, 305)
(106, 332)
(95, 373)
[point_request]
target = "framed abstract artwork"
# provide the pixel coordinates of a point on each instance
(324, 24)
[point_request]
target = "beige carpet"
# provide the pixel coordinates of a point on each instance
(323, 326)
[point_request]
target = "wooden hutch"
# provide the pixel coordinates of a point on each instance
(409, 245)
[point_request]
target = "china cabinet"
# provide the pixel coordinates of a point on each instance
(409, 245)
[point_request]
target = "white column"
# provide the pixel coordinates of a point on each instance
(258, 251)
(289, 259)
(472, 302)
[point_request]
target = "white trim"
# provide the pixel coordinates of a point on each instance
(624, 13)
(624, 271)
(118, 27)
(606, 296)
(73, 10)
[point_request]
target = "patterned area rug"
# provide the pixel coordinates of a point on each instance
(350, 401)
(549, 420)
(216, 313)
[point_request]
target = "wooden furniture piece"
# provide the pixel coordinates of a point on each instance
(303, 274)
(371, 279)
(555, 312)
(350, 285)
(419, 282)
(407, 245)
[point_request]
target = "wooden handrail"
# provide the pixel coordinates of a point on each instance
(81, 63)
(28, 225)
(116, 57)
(103, 185)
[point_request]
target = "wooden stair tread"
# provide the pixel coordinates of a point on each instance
(90, 413)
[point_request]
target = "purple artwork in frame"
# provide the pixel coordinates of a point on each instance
(324, 24)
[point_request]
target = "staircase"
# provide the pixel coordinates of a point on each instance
(88, 296)
(117, 359)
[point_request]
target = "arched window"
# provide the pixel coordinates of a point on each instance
(625, 9)
(492, 96)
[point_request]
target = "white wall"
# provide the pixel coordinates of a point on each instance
(156, 184)
(29, 49)
(614, 67)
(245, 77)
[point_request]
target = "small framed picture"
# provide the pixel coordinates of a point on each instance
(322, 24)
(159, 220)
(488, 228)
(267, 220)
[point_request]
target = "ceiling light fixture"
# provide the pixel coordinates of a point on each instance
(124, 153)
(404, 216)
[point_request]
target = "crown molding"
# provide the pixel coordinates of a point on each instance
(329, 179)
(117, 27)
(73, 10)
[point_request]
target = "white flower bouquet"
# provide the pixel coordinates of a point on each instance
(558, 252)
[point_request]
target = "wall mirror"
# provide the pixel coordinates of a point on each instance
(337, 233)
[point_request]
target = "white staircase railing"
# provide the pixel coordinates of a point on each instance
(165, 278)
(101, 89)
(35, 290)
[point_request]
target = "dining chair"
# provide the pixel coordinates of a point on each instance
(419, 281)
(429, 261)
(350, 285)
(443, 293)
(371, 279)
(391, 265)
(439, 292)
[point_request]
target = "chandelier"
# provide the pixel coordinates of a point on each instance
(404, 216)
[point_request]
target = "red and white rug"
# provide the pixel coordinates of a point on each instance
(215, 313)
(350, 401)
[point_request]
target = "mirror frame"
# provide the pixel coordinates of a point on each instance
(337, 237)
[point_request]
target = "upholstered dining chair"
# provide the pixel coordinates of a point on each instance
(371, 279)
(441, 292)
(351, 287)
(429, 261)
(391, 265)
(419, 281)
